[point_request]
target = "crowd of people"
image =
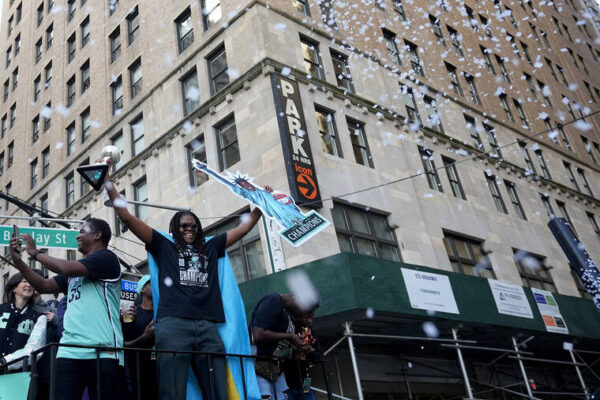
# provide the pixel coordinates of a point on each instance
(189, 308)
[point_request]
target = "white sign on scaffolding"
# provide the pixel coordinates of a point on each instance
(427, 291)
(553, 319)
(510, 299)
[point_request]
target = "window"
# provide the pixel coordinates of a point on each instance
(69, 190)
(433, 116)
(433, 179)
(50, 5)
(49, 36)
(7, 203)
(140, 191)
(312, 58)
(399, 8)
(454, 79)
(227, 141)
(85, 32)
(33, 173)
(328, 13)
(11, 154)
(452, 172)
(342, 71)
(10, 25)
(328, 132)
(135, 77)
(495, 192)
(137, 135)
(85, 76)
(38, 51)
(586, 184)
(413, 55)
(521, 113)
(526, 52)
(466, 256)
(511, 16)
(246, 256)
(534, 273)
(588, 149)
(545, 92)
(364, 231)
(580, 286)
(360, 145)
(563, 136)
(547, 205)
(84, 186)
(590, 216)
(115, 44)
(582, 62)
(117, 140)
(561, 72)
(133, 25)
(40, 14)
(185, 30)
(437, 30)
(455, 39)
(85, 125)
(493, 141)
(71, 47)
(211, 12)
(506, 108)
(4, 126)
(217, 70)
(503, 69)
(412, 111)
(13, 115)
(551, 68)
(1, 163)
(543, 166)
(196, 149)
(514, 199)
(571, 176)
(302, 6)
(71, 8)
(46, 162)
(486, 26)
(48, 75)
(472, 88)
(190, 91)
(71, 139)
(488, 61)
(6, 88)
(117, 96)
(17, 44)
(392, 47)
(15, 77)
(71, 91)
(590, 92)
(563, 211)
(35, 129)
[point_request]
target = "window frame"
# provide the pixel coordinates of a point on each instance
(224, 124)
(459, 263)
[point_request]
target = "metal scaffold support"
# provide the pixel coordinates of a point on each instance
(463, 368)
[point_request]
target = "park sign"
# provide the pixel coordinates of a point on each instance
(44, 237)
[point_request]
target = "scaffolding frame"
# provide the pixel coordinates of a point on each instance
(515, 353)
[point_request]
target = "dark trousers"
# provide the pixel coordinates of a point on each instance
(72, 377)
(181, 334)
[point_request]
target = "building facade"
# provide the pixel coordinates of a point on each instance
(443, 133)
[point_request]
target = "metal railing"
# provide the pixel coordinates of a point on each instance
(31, 364)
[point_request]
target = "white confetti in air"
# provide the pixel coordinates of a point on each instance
(59, 145)
(168, 281)
(46, 112)
(583, 126)
(427, 195)
(372, 277)
(94, 124)
(499, 91)
(302, 289)
(546, 91)
(568, 346)
(244, 218)
(233, 73)
(573, 87)
(280, 26)
(430, 329)
(188, 128)
(62, 110)
(192, 190)
(370, 313)
(527, 261)
(192, 93)
(120, 203)
(286, 71)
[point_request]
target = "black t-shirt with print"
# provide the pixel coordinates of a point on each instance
(270, 314)
(188, 281)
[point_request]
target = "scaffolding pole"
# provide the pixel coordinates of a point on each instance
(463, 369)
(348, 333)
(581, 381)
(522, 367)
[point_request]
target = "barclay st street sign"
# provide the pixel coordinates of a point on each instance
(44, 237)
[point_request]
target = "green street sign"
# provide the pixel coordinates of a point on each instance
(44, 237)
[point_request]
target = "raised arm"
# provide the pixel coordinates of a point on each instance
(235, 234)
(40, 284)
(139, 228)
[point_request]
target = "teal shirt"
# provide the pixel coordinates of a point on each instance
(92, 317)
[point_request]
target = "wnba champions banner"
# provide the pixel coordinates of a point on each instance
(296, 226)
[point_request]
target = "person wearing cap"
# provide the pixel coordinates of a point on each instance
(139, 333)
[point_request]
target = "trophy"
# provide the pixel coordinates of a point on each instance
(94, 174)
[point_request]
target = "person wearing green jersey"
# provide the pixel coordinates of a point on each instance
(92, 286)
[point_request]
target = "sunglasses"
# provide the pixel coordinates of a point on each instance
(186, 227)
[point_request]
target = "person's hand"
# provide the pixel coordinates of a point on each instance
(132, 312)
(299, 344)
(268, 188)
(15, 248)
(49, 315)
(30, 245)
(149, 331)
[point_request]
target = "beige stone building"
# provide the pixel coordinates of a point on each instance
(444, 133)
